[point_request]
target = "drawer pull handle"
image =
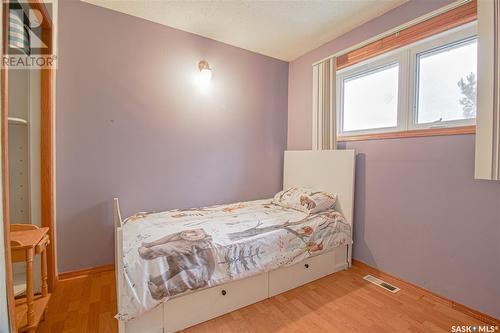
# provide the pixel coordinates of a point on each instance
(223, 292)
(306, 265)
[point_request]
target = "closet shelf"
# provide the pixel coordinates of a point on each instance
(17, 121)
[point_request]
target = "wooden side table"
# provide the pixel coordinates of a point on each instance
(28, 240)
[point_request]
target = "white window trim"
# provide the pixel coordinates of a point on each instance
(363, 69)
(406, 58)
(447, 40)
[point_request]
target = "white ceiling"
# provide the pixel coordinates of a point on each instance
(283, 29)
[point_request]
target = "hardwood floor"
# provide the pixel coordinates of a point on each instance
(85, 304)
(342, 302)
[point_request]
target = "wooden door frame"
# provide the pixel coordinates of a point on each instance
(47, 143)
(5, 175)
(46, 151)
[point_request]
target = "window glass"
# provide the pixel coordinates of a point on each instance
(446, 85)
(371, 99)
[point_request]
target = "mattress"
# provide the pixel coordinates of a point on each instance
(171, 253)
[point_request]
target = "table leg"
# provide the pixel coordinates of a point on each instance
(44, 273)
(29, 286)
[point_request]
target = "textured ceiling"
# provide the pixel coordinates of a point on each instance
(280, 29)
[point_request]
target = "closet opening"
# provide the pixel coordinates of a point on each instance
(27, 140)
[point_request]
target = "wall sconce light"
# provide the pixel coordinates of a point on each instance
(205, 71)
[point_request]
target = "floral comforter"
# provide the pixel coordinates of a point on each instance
(171, 253)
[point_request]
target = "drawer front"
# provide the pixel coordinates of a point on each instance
(195, 308)
(149, 322)
(308, 270)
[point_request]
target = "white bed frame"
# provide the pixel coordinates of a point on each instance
(328, 170)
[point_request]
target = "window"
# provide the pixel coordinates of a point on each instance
(428, 84)
(446, 83)
(374, 90)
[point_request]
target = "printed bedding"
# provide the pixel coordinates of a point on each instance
(171, 253)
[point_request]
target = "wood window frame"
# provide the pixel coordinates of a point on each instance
(453, 18)
(46, 151)
(410, 134)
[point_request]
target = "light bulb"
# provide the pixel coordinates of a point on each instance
(205, 75)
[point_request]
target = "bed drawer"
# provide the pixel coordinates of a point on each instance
(192, 309)
(311, 269)
(149, 322)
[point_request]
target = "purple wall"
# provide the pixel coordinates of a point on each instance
(131, 123)
(419, 214)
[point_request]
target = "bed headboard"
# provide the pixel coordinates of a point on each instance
(328, 170)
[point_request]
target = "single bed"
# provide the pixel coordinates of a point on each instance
(181, 267)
